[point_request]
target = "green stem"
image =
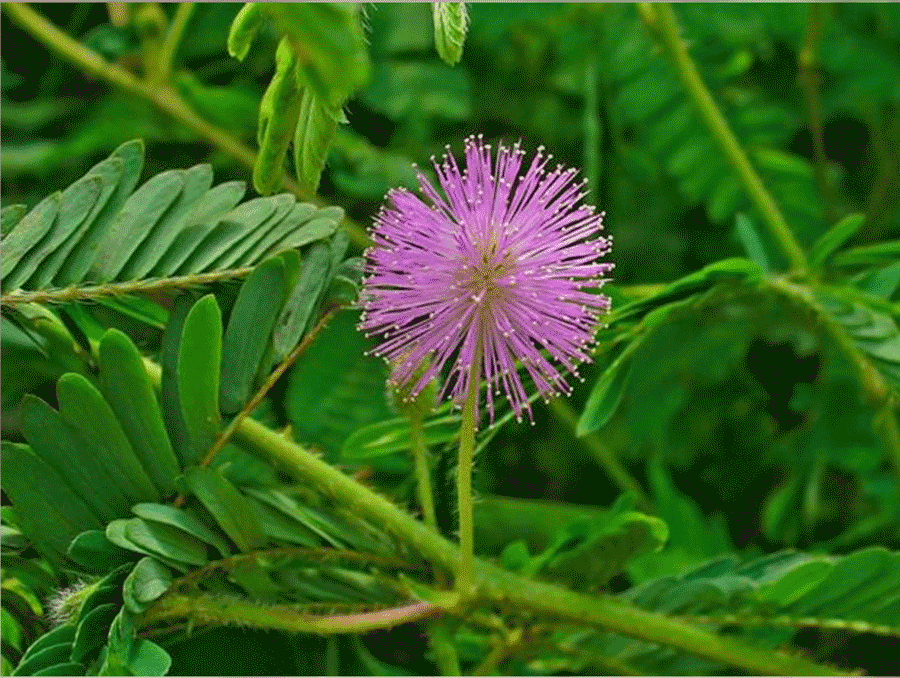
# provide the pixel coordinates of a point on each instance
(504, 587)
(173, 39)
(602, 454)
(464, 579)
(810, 77)
(667, 30)
(439, 636)
(207, 609)
(164, 98)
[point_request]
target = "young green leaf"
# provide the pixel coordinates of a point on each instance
(249, 331)
(199, 362)
(316, 126)
(278, 115)
(386, 437)
(130, 393)
(243, 30)
(451, 21)
(329, 44)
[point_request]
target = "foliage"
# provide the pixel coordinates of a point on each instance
(198, 451)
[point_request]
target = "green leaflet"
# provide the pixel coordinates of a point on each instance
(92, 630)
(282, 204)
(184, 521)
(451, 21)
(752, 242)
(278, 115)
(170, 397)
(100, 229)
(297, 311)
(9, 217)
(205, 215)
(140, 213)
(130, 393)
(199, 359)
(607, 393)
(49, 512)
(386, 437)
(329, 44)
(90, 416)
(249, 331)
(243, 30)
(231, 230)
(25, 235)
(86, 245)
(230, 509)
(834, 238)
(147, 582)
(65, 451)
(197, 182)
(316, 126)
(109, 174)
(173, 546)
(97, 554)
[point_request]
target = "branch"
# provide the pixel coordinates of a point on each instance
(666, 29)
(163, 97)
(87, 293)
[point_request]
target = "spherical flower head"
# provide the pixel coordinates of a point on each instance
(502, 265)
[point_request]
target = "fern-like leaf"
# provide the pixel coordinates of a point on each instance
(101, 237)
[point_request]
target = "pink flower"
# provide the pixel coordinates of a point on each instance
(501, 263)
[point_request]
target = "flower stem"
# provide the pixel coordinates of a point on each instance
(464, 579)
(667, 30)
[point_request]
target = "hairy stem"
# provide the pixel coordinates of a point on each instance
(501, 586)
(90, 292)
(164, 98)
(464, 580)
(667, 31)
(602, 454)
(207, 609)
